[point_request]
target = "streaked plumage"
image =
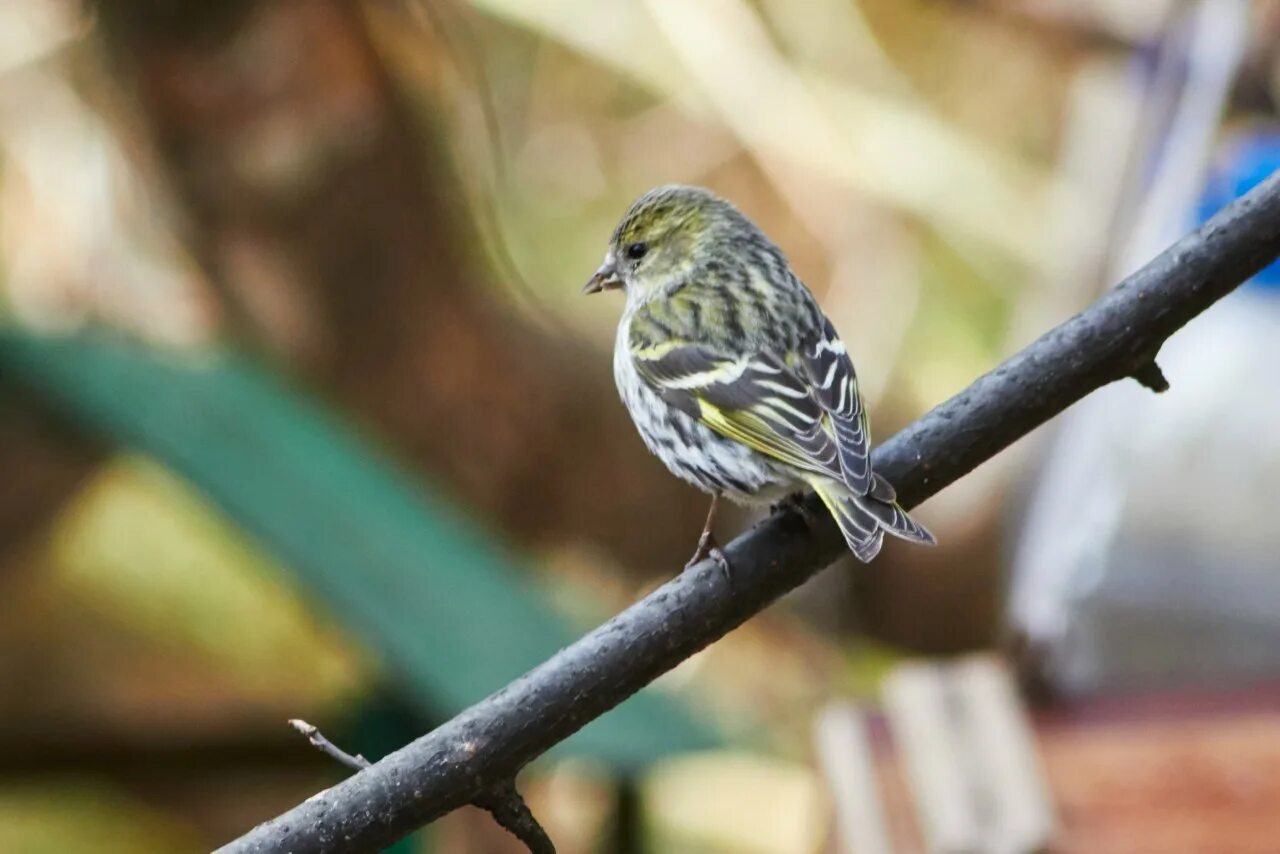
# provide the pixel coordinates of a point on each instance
(733, 375)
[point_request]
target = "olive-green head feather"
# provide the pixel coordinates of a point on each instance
(666, 237)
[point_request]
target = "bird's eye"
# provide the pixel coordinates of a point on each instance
(635, 251)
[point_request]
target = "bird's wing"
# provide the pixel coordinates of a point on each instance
(829, 370)
(802, 409)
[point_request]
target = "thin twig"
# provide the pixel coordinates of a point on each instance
(498, 736)
(509, 809)
(327, 747)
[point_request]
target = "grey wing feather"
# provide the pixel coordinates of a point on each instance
(835, 385)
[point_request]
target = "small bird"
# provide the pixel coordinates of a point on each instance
(734, 377)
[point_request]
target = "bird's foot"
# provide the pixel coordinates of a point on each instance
(787, 503)
(707, 548)
(706, 545)
(722, 562)
(794, 503)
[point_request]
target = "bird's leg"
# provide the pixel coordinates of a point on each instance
(707, 547)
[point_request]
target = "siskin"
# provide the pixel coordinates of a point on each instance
(734, 377)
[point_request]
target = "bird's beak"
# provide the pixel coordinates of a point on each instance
(605, 279)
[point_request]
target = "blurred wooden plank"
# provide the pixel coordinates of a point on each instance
(1174, 773)
(843, 746)
(915, 698)
(996, 732)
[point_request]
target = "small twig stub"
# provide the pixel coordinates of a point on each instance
(1150, 376)
(508, 809)
(354, 762)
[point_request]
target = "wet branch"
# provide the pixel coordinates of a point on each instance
(484, 747)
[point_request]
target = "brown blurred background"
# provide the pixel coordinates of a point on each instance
(350, 236)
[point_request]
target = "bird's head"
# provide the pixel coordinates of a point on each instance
(663, 238)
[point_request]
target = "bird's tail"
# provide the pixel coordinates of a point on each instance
(864, 519)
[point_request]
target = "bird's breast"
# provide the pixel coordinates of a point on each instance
(691, 450)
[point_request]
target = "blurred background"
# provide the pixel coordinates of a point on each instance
(302, 416)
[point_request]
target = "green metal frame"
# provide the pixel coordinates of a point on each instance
(410, 575)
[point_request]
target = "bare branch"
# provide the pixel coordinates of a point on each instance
(498, 736)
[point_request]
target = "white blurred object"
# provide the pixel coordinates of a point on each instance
(34, 30)
(82, 236)
(1148, 556)
(1165, 508)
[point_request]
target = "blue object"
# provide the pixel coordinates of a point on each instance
(1242, 164)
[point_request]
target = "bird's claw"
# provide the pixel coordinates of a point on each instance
(706, 544)
(722, 563)
(707, 548)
